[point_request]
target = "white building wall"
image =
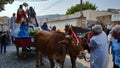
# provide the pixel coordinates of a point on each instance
(4, 23)
(61, 24)
(73, 19)
(92, 15)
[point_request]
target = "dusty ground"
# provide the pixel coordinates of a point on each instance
(88, 64)
(8, 60)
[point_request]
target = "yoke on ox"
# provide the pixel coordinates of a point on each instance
(56, 45)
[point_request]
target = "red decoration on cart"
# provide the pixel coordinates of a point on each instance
(24, 42)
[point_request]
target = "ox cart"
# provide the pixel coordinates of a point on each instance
(23, 42)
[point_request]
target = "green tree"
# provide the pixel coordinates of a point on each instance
(86, 5)
(3, 2)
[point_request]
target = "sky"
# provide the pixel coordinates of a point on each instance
(56, 6)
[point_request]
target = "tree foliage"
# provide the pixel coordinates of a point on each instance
(86, 5)
(3, 2)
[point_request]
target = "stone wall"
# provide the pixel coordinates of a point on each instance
(104, 19)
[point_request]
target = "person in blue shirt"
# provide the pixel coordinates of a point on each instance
(23, 30)
(116, 46)
(45, 27)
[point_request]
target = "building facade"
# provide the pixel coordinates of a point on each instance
(90, 17)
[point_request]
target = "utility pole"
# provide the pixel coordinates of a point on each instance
(81, 8)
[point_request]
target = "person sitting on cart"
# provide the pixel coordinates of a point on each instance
(45, 27)
(31, 25)
(23, 30)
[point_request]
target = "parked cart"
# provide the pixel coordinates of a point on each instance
(24, 43)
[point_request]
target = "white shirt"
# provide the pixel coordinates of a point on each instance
(109, 26)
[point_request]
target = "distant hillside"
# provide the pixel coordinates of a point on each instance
(50, 16)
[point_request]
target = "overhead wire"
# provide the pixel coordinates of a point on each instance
(51, 6)
(56, 3)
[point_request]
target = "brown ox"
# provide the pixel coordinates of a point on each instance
(47, 44)
(73, 49)
(76, 50)
(55, 46)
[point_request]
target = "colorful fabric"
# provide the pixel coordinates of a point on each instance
(75, 37)
(20, 15)
(23, 31)
(24, 42)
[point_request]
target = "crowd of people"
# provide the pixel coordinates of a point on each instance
(100, 44)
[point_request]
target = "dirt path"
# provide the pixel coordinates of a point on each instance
(8, 60)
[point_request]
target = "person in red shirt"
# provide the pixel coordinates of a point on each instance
(21, 14)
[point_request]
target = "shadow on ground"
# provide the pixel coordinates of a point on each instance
(9, 60)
